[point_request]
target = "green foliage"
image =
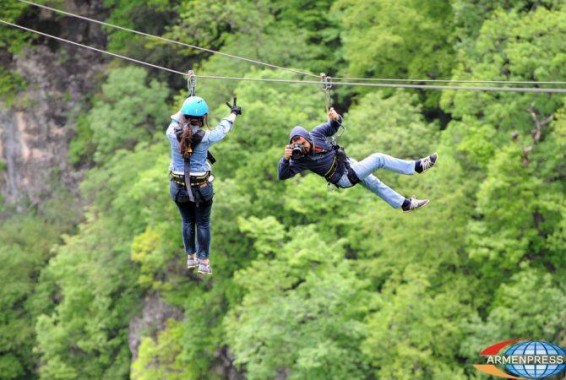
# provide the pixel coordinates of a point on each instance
(99, 296)
(393, 125)
(397, 39)
(413, 326)
(308, 282)
(82, 147)
(301, 313)
(520, 205)
(135, 15)
(160, 359)
(22, 256)
(470, 16)
(531, 305)
(511, 46)
(86, 335)
(12, 39)
(10, 84)
(126, 112)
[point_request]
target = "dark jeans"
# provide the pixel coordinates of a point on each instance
(194, 216)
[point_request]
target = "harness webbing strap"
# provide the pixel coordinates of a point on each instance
(332, 169)
(187, 170)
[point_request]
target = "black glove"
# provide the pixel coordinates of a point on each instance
(234, 108)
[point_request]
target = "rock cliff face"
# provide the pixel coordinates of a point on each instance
(36, 130)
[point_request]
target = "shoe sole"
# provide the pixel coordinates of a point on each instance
(205, 273)
(427, 202)
(192, 266)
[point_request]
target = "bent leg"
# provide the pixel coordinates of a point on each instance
(383, 191)
(376, 161)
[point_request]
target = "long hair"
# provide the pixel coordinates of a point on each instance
(187, 137)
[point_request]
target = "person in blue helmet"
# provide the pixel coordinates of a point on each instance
(313, 151)
(190, 173)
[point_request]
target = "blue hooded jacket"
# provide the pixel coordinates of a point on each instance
(321, 156)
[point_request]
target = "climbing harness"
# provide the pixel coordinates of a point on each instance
(200, 180)
(187, 179)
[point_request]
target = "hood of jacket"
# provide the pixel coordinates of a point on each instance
(300, 131)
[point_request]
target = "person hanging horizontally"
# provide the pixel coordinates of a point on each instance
(190, 173)
(313, 151)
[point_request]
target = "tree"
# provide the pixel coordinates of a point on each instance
(397, 39)
(300, 315)
(23, 256)
(127, 112)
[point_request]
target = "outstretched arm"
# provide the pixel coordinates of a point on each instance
(220, 131)
(331, 126)
(225, 125)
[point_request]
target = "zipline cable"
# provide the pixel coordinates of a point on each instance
(450, 81)
(285, 68)
(93, 48)
(168, 40)
(272, 80)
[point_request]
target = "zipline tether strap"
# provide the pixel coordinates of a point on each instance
(326, 86)
(191, 83)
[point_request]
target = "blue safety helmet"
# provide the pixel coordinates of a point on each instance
(194, 106)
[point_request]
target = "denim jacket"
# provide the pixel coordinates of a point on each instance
(199, 164)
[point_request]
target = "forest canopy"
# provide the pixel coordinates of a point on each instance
(308, 283)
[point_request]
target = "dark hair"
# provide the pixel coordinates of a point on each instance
(187, 137)
(186, 140)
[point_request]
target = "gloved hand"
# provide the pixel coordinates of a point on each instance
(235, 109)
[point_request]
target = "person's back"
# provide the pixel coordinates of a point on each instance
(199, 155)
(191, 181)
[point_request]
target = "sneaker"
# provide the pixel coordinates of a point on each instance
(414, 204)
(204, 268)
(426, 163)
(191, 262)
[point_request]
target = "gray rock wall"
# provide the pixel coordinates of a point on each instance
(36, 130)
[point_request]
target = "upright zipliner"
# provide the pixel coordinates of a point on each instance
(318, 152)
(190, 172)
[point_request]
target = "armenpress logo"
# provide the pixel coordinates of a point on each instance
(526, 359)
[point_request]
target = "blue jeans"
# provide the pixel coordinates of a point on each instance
(194, 216)
(368, 165)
